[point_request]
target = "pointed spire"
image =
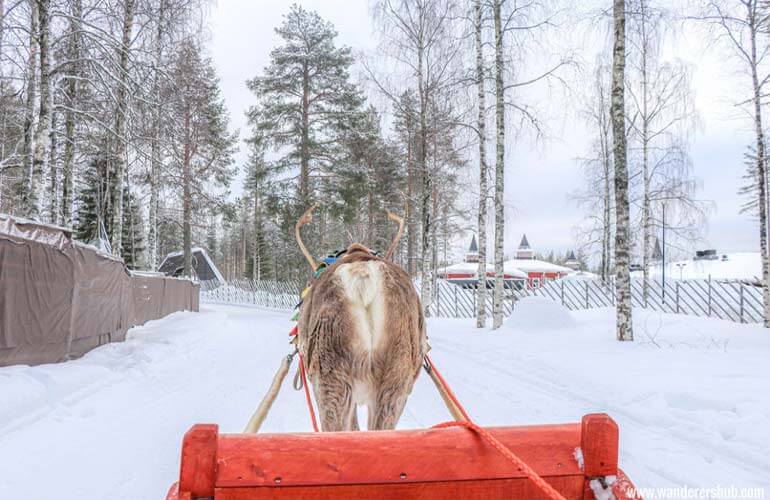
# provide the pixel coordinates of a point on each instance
(524, 243)
(571, 255)
(657, 253)
(474, 248)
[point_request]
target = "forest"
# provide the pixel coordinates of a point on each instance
(113, 123)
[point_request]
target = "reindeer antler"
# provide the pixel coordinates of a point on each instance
(306, 217)
(397, 237)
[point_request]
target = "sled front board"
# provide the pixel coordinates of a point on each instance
(430, 463)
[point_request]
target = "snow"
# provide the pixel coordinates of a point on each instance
(690, 395)
(739, 265)
(534, 266)
(472, 268)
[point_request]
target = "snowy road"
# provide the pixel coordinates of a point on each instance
(691, 395)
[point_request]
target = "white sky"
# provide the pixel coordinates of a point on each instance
(540, 177)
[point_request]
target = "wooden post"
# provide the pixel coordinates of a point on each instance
(457, 314)
(709, 295)
(587, 306)
(562, 292)
(677, 297)
(741, 297)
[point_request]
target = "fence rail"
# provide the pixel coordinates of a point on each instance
(448, 300)
(734, 300)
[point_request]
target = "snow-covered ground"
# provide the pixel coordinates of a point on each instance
(691, 395)
(737, 265)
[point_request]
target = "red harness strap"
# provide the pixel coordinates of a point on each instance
(307, 393)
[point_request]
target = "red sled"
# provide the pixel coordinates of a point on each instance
(447, 462)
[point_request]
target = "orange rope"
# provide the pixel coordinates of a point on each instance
(491, 440)
(307, 393)
(507, 453)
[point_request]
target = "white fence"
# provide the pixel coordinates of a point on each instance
(448, 300)
(733, 300)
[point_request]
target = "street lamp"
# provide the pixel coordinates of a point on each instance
(681, 265)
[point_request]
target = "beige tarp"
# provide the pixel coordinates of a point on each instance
(60, 298)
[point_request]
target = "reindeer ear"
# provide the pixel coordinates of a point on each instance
(397, 237)
(306, 217)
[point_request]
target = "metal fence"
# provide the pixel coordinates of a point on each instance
(278, 295)
(448, 300)
(734, 300)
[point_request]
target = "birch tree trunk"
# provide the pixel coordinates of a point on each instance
(426, 268)
(53, 185)
(607, 202)
(155, 154)
(121, 96)
(761, 160)
(497, 304)
(27, 184)
(622, 265)
(73, 95)
(186, 199)
(481, 302)
(42, 134)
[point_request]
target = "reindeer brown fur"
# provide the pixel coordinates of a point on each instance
(362, 336)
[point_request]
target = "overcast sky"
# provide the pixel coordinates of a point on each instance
(540, 176)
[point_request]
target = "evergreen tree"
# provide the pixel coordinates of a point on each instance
(202, 147)
(305, 99)
(97, 192)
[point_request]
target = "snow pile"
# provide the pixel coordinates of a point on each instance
(690, 395)
(538, 313)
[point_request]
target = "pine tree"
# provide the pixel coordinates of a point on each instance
(202, 147)
(306, 99)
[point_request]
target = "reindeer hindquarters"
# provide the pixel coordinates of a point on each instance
(334, 396)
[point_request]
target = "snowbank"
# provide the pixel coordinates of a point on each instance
(690, 395)
(538, 313)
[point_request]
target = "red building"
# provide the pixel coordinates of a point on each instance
(536, 271)
(465, 273)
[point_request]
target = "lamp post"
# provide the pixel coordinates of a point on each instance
(663, 254)
(681, 265)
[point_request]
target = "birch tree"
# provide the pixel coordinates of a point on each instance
(121, 116)
(481, 300)
(742, 25)
(497, 303)
(597, 195)
(29, 185)
(664, 114)
(624, 326)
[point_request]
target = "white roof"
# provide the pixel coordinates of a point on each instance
(739, 265)
(472, 268)
(535, 266)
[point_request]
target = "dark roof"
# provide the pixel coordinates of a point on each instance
(474, 247)
(524, 243)
(204, 269)
(657, 253)
(571, 255)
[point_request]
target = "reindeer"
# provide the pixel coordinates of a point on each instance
(362, 335)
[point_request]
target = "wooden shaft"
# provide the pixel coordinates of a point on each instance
(267, 402)
(450, 405)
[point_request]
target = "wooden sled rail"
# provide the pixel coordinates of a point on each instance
(429, 463)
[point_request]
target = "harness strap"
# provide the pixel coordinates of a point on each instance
(307, 393)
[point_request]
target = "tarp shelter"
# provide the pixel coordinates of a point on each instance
(202, 265)
(60, 298)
